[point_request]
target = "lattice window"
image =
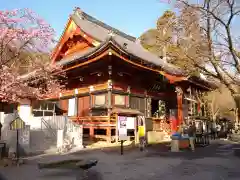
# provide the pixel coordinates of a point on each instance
(100, 100)
(119, 100)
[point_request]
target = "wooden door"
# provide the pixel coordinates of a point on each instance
(83, 106)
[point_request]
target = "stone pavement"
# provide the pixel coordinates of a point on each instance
(215, 162)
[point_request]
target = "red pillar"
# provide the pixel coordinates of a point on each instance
(173, 122)
(179, 105)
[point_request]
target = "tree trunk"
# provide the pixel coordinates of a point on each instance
(236, 110)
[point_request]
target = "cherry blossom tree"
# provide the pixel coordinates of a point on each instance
(25, 69)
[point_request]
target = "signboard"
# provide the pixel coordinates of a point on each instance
(130, 122)
(17, 123)
(122, 121)
(122, 128)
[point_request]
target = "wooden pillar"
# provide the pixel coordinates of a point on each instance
(136, 130)
(91, 128)
(128, 99)
(179, 92)
(116, 130)
(109, 106)
(90, 104)
(149, 108)
(76, 107)
(145, 104)
(109, 136)
(109, 97)
(91, 89)
(91, 132)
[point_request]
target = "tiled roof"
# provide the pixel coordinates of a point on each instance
(108, 35)
(131, 45)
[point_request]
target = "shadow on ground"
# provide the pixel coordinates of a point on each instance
(214, 162)
(79, 175)
(213, 150)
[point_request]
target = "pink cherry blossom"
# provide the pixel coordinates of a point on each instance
(23, 34)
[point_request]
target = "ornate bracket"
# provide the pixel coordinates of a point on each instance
(128, 89)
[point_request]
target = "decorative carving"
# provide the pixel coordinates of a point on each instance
(129, 89)
(75, 44)
(70, 44)
(179, 91)
(111, 33)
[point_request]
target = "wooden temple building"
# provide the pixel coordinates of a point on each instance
(109, 74)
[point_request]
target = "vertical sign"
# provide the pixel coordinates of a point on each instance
(122, 128)
(130, 123)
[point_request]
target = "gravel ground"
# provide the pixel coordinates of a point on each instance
(215, 162)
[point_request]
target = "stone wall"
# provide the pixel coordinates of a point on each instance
(71, 136)
(36, 138)
(23, 140)
(42, 136)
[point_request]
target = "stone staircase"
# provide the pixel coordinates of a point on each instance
(40, 141)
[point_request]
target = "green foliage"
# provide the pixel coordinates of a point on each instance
(179, 39)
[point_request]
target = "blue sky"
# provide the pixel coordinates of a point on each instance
(131, 16)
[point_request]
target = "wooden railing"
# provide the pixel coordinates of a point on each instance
(94, 120)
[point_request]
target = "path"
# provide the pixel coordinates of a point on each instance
(215, 162)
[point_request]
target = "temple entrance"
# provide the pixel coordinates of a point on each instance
(154, 107)
(158, 108)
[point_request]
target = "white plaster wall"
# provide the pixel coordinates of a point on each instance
(25, 113)
(55, 122)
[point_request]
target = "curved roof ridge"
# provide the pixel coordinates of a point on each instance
(92, 19)
(128, 48)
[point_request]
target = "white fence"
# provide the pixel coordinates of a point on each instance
(55, 122)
